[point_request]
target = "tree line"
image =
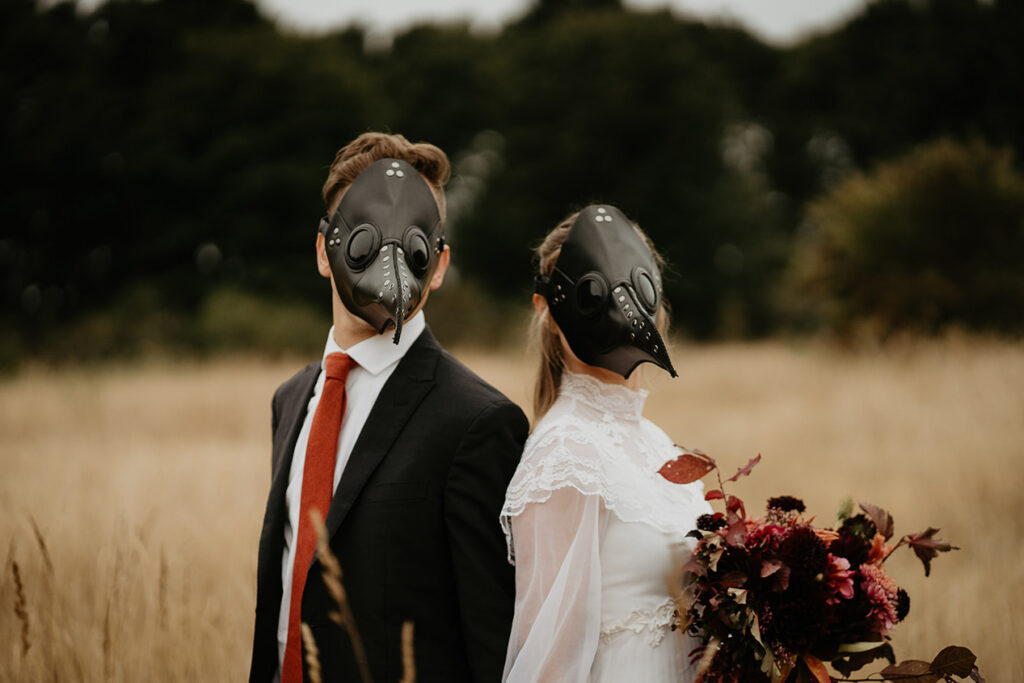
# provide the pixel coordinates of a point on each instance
(164, 158)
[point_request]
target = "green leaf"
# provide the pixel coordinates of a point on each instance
(845, 509)
(860, 647)
(849, 662)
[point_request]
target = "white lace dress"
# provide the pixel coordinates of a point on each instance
(596, 535)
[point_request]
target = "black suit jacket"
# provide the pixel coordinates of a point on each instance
(414, 523)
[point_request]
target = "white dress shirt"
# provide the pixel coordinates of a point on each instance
(376, 358)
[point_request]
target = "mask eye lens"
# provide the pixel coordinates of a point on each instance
(591, 295)
(417, 252)
(646, 291)
(361, 247)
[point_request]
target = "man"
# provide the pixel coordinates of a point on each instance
(404, 451)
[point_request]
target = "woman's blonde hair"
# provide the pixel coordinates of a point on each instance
(543, 332)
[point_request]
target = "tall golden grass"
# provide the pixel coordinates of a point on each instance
(131, 497)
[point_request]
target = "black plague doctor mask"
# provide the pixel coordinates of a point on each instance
(604, 293)
(384, 243)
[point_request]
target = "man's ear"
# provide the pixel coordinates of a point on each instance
(442, 266)
(323, 264)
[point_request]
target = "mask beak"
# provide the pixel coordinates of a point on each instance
(398, 299)
(387, 289)
(645, 338)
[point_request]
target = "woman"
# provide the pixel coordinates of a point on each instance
(596, 534)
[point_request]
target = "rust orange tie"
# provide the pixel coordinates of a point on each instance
(317, 490)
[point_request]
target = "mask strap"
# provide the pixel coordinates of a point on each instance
(324, 225)
(540, 284)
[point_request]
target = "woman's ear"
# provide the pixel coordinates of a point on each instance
(540, 304)
(323, 264)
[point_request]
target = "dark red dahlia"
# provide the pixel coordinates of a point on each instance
(804, 553)
(711, 522)
(902, 604)
(854, 542)
(859, 525)
(786, 504)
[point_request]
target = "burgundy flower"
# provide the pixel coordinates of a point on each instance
(711, 522)
(802, 550)
(902, 604)
(764, 536)
(855, 540)
(786, 504)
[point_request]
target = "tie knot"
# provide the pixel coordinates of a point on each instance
(337, 366)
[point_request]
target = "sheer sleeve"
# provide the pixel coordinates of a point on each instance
(557, 622)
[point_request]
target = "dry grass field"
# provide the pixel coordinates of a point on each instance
(132, 496)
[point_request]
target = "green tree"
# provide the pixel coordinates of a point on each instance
(931, 240)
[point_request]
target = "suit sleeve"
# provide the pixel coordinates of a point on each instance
(273, 429)
(475, 491)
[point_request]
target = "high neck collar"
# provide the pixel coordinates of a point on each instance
(614, 399)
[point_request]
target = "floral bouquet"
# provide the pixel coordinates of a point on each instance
(775, 597)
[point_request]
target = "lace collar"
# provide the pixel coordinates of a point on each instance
(612, 399)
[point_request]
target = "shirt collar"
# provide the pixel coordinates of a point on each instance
(378, 352)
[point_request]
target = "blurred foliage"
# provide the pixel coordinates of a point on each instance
(177, 148)
(933, 239)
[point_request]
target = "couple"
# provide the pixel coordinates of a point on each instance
(419, 465)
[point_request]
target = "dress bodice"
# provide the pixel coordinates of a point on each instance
(596, 440)
(587, 500)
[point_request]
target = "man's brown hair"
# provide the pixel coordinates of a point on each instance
(354, 157)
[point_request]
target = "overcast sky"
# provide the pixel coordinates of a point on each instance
(779, 21)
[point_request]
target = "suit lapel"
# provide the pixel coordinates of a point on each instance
(293, 410)
(401, 395)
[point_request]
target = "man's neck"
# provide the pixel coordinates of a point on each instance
(349, 329)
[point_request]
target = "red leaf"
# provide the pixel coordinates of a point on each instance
(927, 547)
(745, 470)
(881, 518)
(817, 669)
(714, 494)
(687, 468)
(913, 669)
(737, 534)
(734, 579)
(955, 660)
(781, 579)
(734, 504)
